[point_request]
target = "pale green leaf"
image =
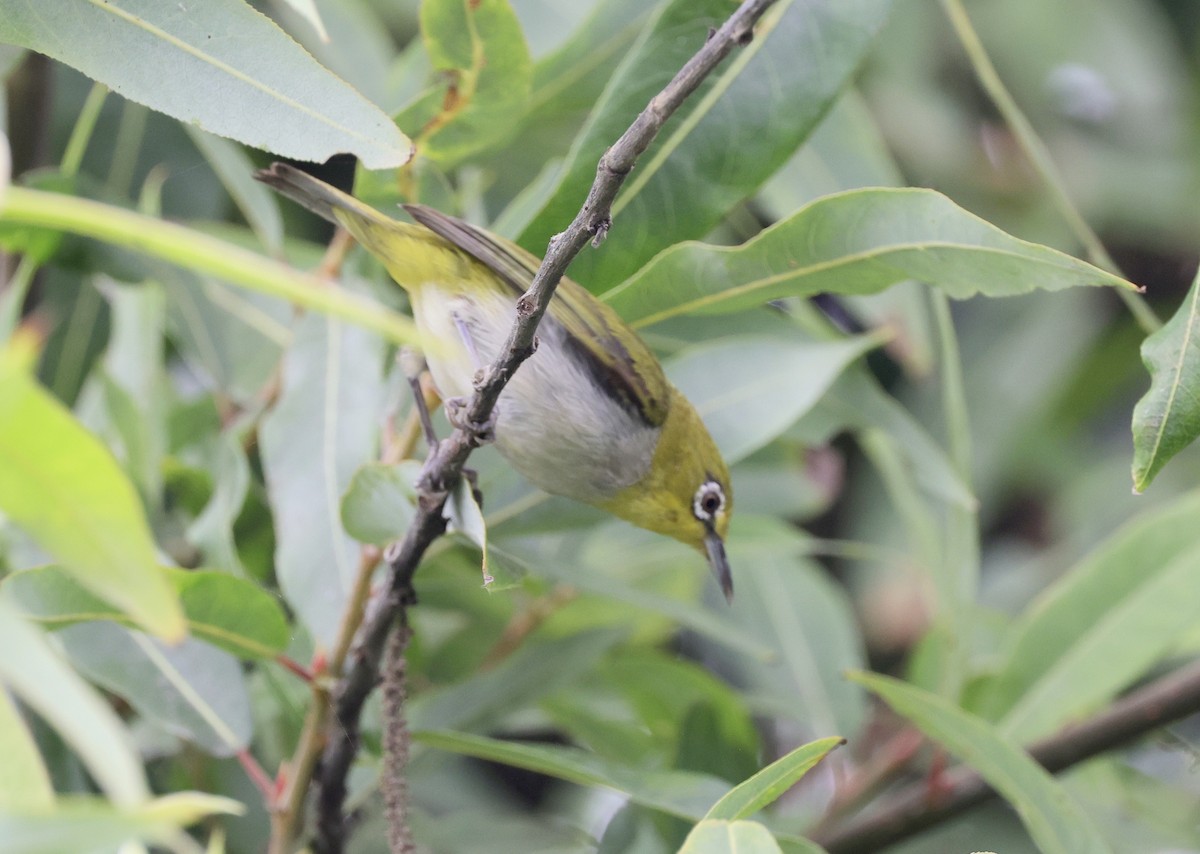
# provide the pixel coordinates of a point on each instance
(1102, 625)
(1167, 419)
(679, 793)
(1056, 822)
(749, 390)
(59, 483)
(380, 502)
(324, 426)
(231, 613)
(769, 784)
(717, 836)
(91, 826)
(191, 690)
(484, 75)
(220, 65)
(24, 781)
(235, 169)
(856, 242)
(43, 681)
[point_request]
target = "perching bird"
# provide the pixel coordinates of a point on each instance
(590, 415)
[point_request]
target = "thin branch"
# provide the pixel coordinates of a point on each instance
(910, 811)
(444, 465)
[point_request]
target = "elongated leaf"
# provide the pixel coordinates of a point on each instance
(790, 606)
(200, 252)
(380, 502)
(220, 65)
(1167, 419)
(857, 242)
(24, 781)
(62, 486)
(679, 793)
(36, 674)
(735, 131)
(479, 54)
(256, 202)
(190, 690)
(717, 836)
(235, 615)
(1057, 824)
(594, 579)
(322, 429)
(1102, 625)
(92, 825)
(533, 671)
(212, 530)
(749, 390)
(766, 787)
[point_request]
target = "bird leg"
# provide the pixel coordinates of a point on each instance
(413, 365)
(456, 407)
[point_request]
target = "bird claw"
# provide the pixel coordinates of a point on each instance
(480, 433)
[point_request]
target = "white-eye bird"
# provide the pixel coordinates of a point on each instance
(590, 415)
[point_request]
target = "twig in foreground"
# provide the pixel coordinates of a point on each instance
(444, 466)
(1155, 705)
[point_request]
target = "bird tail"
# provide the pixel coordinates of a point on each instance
(411, 253)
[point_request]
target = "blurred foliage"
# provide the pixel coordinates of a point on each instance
(936, 492)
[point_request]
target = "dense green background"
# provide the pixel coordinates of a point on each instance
(935, 491)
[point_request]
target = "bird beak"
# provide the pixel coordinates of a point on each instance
(719, 563)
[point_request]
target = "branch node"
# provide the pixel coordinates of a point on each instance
(599, 229)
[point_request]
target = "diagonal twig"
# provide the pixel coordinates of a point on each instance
(908, 812)
(445, 463)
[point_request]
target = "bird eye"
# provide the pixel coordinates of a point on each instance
(709, 500)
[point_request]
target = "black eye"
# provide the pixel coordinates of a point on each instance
(709, 501)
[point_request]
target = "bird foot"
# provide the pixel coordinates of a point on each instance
(480, 433)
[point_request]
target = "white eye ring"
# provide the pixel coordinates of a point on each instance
(709, 501)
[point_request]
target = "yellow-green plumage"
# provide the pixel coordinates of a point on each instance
(590, 415)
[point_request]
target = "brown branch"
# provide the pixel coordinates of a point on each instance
(910, 811)
(396, 743)
(443, 467)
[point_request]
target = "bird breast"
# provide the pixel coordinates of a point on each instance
(556, 425)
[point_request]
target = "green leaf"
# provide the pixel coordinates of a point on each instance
(1054, 821)
(212, 530)
(134, 370)
(791, 606)
(479, 55)
(1167, 418)
(717, 836)
(43, 681)
(749, 390)
(191, 690)
(380, 502)
(230, 613)
(24, 781)
(254, 199)
(769, 784)
(86, 825)
(739, 127)
(322, 429)
(65, 489)
(856, 242)
(219, 65)
(202, 253)
(534, 670)
(678, 793)
(1102, 625)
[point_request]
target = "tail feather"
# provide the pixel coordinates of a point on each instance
(412, 253)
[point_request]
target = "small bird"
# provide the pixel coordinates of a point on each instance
(590, 415)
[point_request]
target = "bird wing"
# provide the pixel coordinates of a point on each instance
(606, 345)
